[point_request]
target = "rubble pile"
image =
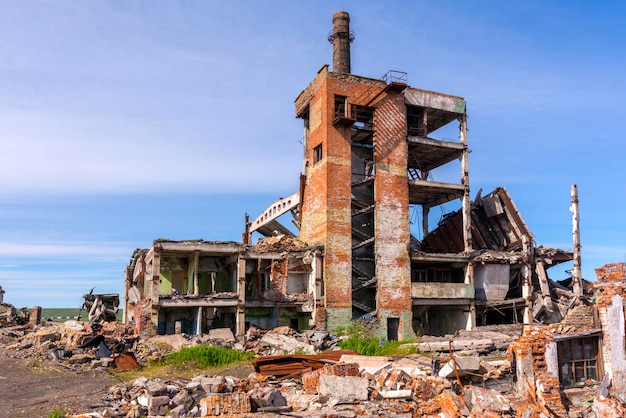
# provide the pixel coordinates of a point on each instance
(285, 340)
(279, 243)
(461, 375)
(368, 387)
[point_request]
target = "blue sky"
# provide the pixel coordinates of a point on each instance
(126, 121)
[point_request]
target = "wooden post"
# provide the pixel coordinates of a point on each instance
(527, 273)
(577, 286)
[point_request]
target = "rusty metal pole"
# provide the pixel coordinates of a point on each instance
(576, 272)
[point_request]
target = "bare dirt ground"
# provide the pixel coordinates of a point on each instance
(36, 388)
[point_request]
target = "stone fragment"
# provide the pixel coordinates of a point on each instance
(266, 397)
(157, 405)
(286, 343)
(183, 398)
(225, 334)
(481, 400)
(463, 366)
(452, 405)
(156, 388)
(347, 387)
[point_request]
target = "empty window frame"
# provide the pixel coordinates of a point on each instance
(341, 106)
(317, 153)
(578, 360)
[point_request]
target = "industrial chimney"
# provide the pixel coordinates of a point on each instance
(341, 37)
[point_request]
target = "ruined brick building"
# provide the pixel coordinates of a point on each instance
(372, 147)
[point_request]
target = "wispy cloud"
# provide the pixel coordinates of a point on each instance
(49, 249)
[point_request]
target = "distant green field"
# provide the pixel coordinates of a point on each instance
(64, 314)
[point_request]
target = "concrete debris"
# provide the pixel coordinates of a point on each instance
(101, 307)
(460, 366)
(468, 374)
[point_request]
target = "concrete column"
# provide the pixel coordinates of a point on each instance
(154, 288)
(196, 262)
(466, 203)
(240, 319)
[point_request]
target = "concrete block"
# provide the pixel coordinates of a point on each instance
(157, 405)
(348, 387)
(225, 334)
(183, 398)
(463, 365)
(156, 388)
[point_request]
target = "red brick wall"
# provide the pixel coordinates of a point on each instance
(392, 207)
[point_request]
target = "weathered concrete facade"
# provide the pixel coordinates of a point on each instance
(193, 286)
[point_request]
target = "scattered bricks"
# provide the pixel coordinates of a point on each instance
(484, 414)
(183, 398)
(452, 405)
(157, 405)
(225, 404)
(430, 408)
(428, 388)
(43, 335)
(608, 408)
(548, 393)
(346, 387)
(311, 380)
(396, 379)
(156, 388)
(179, 412)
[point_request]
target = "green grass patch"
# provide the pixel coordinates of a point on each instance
(57, 413)
(205, 357)
(373, 346)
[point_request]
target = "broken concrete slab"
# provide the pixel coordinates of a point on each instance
(479, 345)
(287, 344)
(225, 334)
(369, 364)
(262, 398)
(480, 400)
(344, 387)
(461, 365)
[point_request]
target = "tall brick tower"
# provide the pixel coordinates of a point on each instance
(367, 160)
(355, 199)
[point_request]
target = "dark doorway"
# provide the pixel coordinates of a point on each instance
(294, 323)
(393, 324)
